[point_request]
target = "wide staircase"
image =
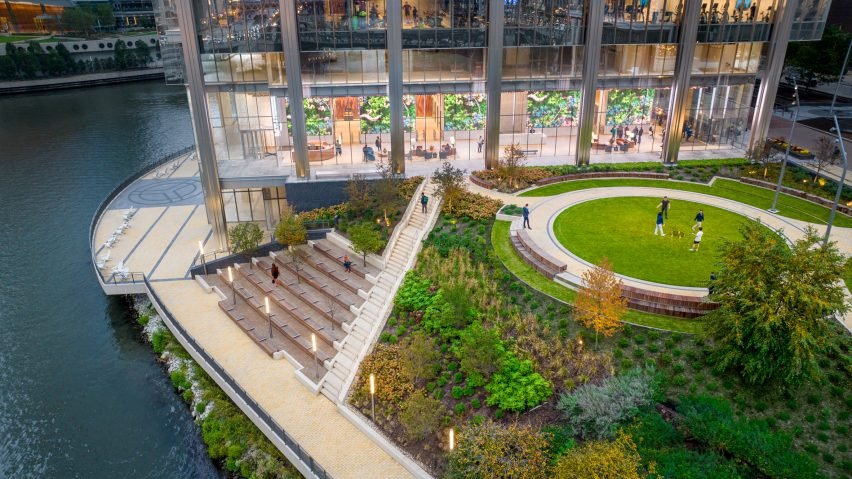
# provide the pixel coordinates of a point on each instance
(400, 254)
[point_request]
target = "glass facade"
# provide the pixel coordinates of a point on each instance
(344, 75)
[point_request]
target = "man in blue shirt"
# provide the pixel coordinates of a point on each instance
(659, 229)
(699, 220)
(527, 216)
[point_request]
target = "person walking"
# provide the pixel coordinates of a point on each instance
(696, 243)
(699, 220)
(659, 229)
(613, 131)
(479, 144)
(526, 212)
(638, 134)
(275, 273)
(338, 148)
(407, 10)
(424, 200)
(378, 143)
(347, 264)
(711, 287)
(366, 151)
(664, 206)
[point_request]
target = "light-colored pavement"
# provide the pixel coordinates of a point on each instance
(312, 420)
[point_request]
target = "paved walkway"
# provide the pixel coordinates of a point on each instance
(312, 420)
(544, 210)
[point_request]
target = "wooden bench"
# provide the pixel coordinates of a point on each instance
(668, 304)
(539, 254)
(603, 174)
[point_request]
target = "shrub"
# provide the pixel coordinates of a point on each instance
(475, 404)
(594, 411)
(711, 421)
(516, 386)
(489, 450)
(414, 294)
(159, 340)
(472, 205)
(457, 392)
(420, 415)
(601, 459)
(393, 383)
(460, 408)
(480, 352)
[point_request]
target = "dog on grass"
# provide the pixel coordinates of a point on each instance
(677, 234)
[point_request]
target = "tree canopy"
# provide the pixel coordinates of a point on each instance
(775, 302)
(813, 63)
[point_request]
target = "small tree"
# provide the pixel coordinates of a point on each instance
(599, 304)
(365, 240)
(449, 181)
(420, 355)
(510, 169)
(775, 303)
(143, 53)
(245, 238)
(421, 415)
(825, 154)
(290, 231)
(358, 191)
(385, 190)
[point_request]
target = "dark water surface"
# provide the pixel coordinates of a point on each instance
(80, 395)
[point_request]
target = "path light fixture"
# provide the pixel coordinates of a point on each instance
(452, 439)
(201, 253)
(842, 182)
(231, 280)
(314, 349)
(268, 316)
(773, 209)
(373, 395)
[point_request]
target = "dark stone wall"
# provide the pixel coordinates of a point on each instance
(310, 195)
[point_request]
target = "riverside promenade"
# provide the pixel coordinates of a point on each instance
(154, 255)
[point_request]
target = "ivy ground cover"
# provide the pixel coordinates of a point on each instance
(622, 229)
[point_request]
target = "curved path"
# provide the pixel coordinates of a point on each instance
(544, 210)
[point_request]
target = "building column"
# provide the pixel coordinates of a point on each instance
(765, 106)
(687, 38)
(293, 67)
(393, 15)
(209, 169)
(591, 62)
(494, 83)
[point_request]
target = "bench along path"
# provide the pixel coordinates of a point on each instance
(398, 257)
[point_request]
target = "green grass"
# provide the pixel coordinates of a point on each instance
(847, 274)
(788, 206)
(626, 226)
(17, 38)
(526, 273)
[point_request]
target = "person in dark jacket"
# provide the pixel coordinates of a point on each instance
(699, 220)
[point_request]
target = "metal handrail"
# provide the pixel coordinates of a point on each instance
(145, 169)
(412, 205)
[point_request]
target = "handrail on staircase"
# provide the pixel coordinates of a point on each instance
(412, 205)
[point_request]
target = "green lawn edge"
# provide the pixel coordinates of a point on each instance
(510, 258)
(788, 206)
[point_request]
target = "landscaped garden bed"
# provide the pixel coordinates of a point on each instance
(529, 392)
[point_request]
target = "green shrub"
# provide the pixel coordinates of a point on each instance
(460, 409)
(457, 392)
(420, 415)
(489, 450)
(712, 421)
(594, 411)
(516, 386)
(158, 340)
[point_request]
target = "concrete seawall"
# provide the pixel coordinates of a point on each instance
(79, 81)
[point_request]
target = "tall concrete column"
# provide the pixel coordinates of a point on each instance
(764, 108)
(293, 66)
(393, 15)
(494, 83)
(687, 38)
(591, 61)
(209, 169)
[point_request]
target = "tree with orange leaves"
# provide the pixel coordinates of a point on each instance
(599, 304)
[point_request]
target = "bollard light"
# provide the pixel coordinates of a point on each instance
(201, 254)
(231, 280)
(373, 395)
(268, 316)
(452, 439)
(314, 349)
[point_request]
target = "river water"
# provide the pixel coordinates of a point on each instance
(80, 394)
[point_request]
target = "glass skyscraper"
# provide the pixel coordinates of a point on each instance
(306, 90)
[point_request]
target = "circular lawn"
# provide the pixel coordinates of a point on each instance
(622, 229)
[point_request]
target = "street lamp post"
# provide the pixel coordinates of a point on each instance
(314, 349)
(773, 209)
(231, 280)
(268, 316)
(201, 253)
(842, 180)
(373, 395)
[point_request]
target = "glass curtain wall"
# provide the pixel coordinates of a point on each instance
(717, 116)
(260, 205)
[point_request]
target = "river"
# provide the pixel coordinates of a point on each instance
(80, 394)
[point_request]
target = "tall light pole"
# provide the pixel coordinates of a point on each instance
(842, 180)
(773, 209)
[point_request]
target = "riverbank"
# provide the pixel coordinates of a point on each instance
(79, 81)
(232, 440)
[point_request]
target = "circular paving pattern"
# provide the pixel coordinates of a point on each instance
(622, 230)
(165, 192)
